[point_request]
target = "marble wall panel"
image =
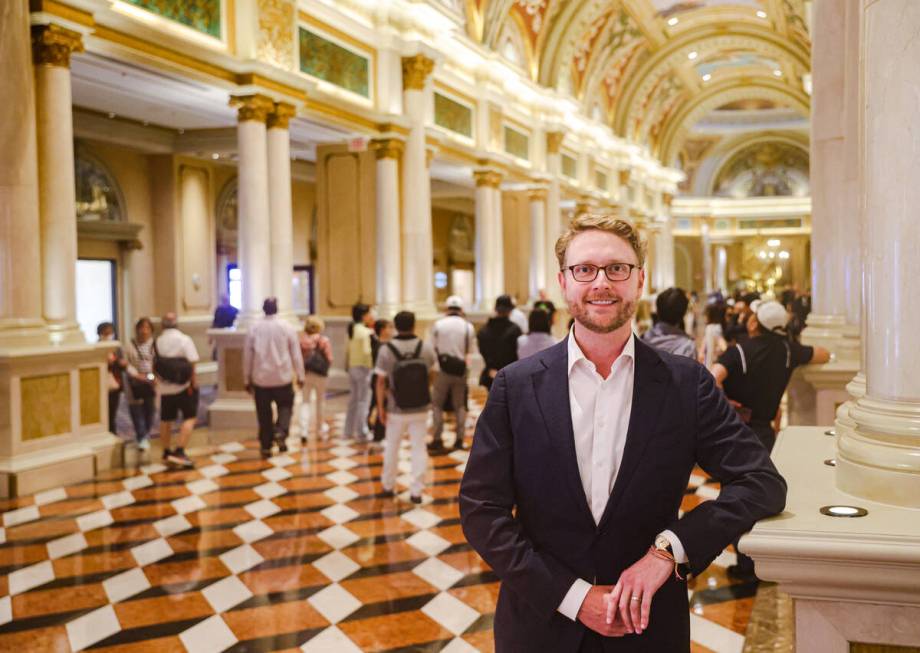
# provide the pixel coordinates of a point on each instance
(235, 380)
(90, 410)
(45, 405)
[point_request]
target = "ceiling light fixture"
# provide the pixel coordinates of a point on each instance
(707, 77)
(673, 21)
(215, 156)
(761, 13)
(784, 255)
(773, 242)
(778, 72)
(693, 55)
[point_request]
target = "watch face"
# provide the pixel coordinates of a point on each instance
(661, 542)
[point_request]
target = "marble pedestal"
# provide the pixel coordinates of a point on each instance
(54, 417)
(818, 391)
(855, 581)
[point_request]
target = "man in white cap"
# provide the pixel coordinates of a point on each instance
(451, 338)
(754, 375)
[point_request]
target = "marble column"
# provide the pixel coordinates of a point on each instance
(418, 266)
(254, 226)
(279, 206)
(537, 276)
(835, 216)
(666, 245)
(880, 459)
(721, 268)
(388, 152)
(707, 258)
(20, 251)
(490, 273)
(554, 225)
(51, 49)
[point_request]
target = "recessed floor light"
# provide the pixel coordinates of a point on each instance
(831, 462)
(831, 432)
(844, 511)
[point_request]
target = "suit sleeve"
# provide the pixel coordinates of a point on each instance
(486, 504)
(752, 488)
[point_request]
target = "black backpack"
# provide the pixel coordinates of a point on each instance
(317, 362)
(410, 379)
(173, 369)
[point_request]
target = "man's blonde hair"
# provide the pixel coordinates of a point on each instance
(602, 222)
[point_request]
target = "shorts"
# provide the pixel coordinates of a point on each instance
(185, 402)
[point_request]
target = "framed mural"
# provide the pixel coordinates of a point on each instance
(200, 15)
(333, 62)
(453, 115)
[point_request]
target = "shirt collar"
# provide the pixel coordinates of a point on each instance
(576, 354)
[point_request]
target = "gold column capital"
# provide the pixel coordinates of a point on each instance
(281, 114)
(415, 71)
(624, 176)
(537, 194)
(554, 142)
(491, 178)
(52, 45)
(388, 148)
(252, 107)
(667, 198)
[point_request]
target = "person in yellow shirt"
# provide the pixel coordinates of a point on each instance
(359, 363)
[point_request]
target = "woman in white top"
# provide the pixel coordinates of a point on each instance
(713, 341)
(539, 337)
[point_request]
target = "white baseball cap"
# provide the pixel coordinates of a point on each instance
(772, 315)
(454, 301)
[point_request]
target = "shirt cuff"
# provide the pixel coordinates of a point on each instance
(676, 547)
(571, 604)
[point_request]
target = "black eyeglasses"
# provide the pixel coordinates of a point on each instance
(586, 272)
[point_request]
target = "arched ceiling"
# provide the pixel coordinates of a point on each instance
(652, 68)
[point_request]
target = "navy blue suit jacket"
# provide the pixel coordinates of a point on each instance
(524, 510)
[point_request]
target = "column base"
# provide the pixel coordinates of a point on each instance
(65, 333)
(16, 333)
(834, 334)
(829, 383)
(879, 457)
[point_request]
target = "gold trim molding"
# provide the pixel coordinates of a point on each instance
(536, 194)
(667, 199)
(252, 107)
(280, 117)
(554, 142)
(415, 71)
(388, 148)
(52, 45)
(624, 176)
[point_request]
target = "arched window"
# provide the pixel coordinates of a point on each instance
(98, 196)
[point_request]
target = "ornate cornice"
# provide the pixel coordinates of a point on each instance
(252, 107)
(490, 178)
(52, 45)
(388, 148)
(554, 142)
(281, 115)
(415, 71)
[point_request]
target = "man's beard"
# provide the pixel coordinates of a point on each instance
(624, 313)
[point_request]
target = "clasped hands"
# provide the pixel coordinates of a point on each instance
(623, 609)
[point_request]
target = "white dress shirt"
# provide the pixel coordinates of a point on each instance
(272, 357)
(600, 420)
(172, 343)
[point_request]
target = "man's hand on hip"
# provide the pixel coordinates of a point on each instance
(593, 613)
(631, 598)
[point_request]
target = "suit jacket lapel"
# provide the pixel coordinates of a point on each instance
(649, 385)
(551, 386)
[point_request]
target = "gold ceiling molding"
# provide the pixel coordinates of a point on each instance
(52, 45)
(62, 11)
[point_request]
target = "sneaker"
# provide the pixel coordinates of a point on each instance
(265, 453)
(143, 444)
(387, 494)
(282, 445)
(458, 444)
(178, 458)
(303, 440)
(166, 454)
(415, 499)
(436, 447)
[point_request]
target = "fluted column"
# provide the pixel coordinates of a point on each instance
(554, 226)
(418, 266)
(253, 206)
(20, 251)
(490, 273)
(880, 459)
(279, 206)
(51, 49)
(537, 276)
(388, 151)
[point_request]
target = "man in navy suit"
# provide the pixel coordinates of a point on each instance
(580, 461)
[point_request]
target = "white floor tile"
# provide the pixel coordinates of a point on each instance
(154, 468)
(281, 461)
(459, 645)
(726, 559)
(343, 451)
(338, 536)
(226, 593)
(23, 580)
(270, 490)
(93, 627)
(334, 602)
(715, 636)
(202, 486)
(2, 535)
(64, 546)
(172, 525)
(185, 505)
(137, 482)
(461, 468)
(20, 516)
(343, 463)
(50, 496)
(117, 500)
(697, 480)
(125, 585)
(404, 466)
(214, 471)
(277, 474)
(210, 636)
(404, 479)
(331, 640)
(241, 558)
(262, 509)
(707, 492)
(459, 455)
(341, 494)
(438, 573)
(421, 518)
(94, 520)
(342, 477)
(336, 566)
(252, 531)
(152, 551)
(339, 513)
(428, 543)
(452, 613)
(232, 447)
(222, 458)
(6, 610)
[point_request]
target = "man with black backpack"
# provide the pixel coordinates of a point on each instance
(404, 369)
(451, 337)
(174, 358)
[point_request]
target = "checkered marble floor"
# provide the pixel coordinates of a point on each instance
(296, 552)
